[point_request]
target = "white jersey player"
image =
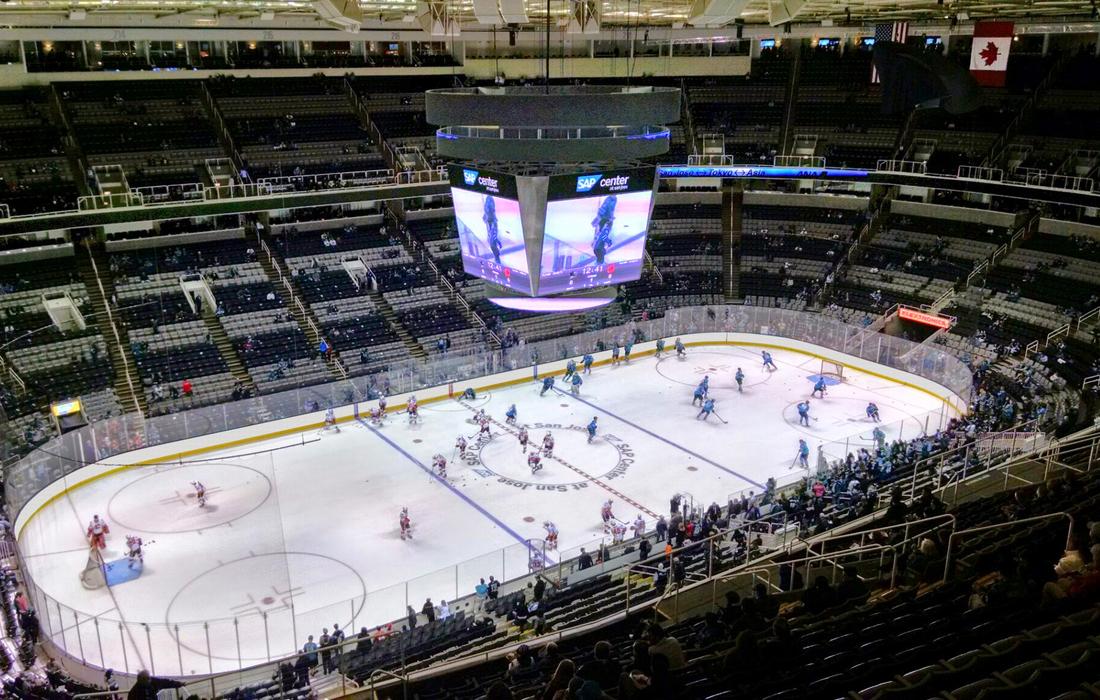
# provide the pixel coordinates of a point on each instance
(484, 428)
(479, 416)
(639, 526)
(605, 511)
(133, 550)
(523, 438)
(534, 462)
(406, 524)
(618, 532)
(330, 420)
(439, 464)
(460, 447)
(413, 409)
(551, 534)
(548, 444)
(200, 493)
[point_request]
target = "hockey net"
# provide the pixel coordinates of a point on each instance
(94, 574)
(832, 369)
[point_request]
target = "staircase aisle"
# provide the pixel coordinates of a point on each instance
(91, 261)
(268, 258)
(733, 197)
(403, 333)
(228, 350)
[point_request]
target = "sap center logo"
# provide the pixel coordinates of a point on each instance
(586, 182)
(469, 176)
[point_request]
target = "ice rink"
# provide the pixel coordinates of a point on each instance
(299, 537)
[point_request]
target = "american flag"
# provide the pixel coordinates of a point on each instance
(896, 32)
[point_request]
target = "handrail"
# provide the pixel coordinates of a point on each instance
(1093, 380)
(118, 338)
(995, 526)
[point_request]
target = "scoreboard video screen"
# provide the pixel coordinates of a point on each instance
(490, 230)
(595, 229)
(537, 236)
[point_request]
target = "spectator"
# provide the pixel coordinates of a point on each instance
(661, 644)
(601, 669)
(326, 651)
(584, 561)
(363, 642)
(310, 651)
(186, 389)
(499, 691)
(494, 588)
(428, 610)
(444, 610)
(410, 615)
(539, 589)
(481, 590)
(559, 682)
(851, 588)
(146, 687)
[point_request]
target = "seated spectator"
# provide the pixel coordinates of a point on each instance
(601, 669)
(660, 644)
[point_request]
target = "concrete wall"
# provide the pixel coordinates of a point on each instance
(941, 211)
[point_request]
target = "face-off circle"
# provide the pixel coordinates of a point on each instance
(718, 365)
(574, 462)
(164, 501)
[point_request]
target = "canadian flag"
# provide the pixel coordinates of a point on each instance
(989, 55)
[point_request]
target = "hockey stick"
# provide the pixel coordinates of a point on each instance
(720, 417)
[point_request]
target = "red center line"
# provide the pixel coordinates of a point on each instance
(586, 475)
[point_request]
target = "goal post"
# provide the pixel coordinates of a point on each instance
(94, 574)
(832, 369)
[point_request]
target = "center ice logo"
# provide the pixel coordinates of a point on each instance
(586, 182)
(469, 176)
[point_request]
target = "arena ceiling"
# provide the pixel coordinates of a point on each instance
(657, 13)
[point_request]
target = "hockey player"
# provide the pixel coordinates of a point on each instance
(615, 353)
(439, 464)
(872, 412)
(803, 454)
(510, 415)
(680, 349)
(708, 408)
(483, 431)
(376, 415)
(739, 377)
(618, 532)
(523, 438)
(768, 363)
(133, 551)
(605, 512)
(97, 532)
(406, 524)
(699, 394)
(819, 387)
(570, 369)
(587, 361)
(414, 410)
(639, 526)
(660, 346)
(804, 413)
(534, 462)
(382, 405)
(547, 385)
(200, 493)
(575, 385)
(551, 534)
(627, 347)
(592, 429)
(705, 384)
(460, 447)
(547, 444)
(879, 437)
(330, 420)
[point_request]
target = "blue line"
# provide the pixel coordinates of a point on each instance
(474, 504)
(662, 439)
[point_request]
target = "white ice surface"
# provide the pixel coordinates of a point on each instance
(315, 526)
